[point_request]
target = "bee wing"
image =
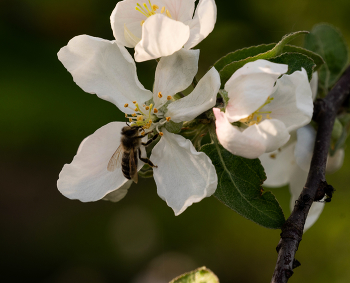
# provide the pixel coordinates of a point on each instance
(133, 165)
(116, 159)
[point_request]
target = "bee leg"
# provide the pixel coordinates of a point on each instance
(150, 140)
(146, 160)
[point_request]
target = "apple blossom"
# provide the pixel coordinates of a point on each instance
(290, 165)
(157, 28)
(264, 106)
(183, 176)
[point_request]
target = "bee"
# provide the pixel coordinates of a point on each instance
(127, 154)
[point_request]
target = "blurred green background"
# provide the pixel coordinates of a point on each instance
(46, 237)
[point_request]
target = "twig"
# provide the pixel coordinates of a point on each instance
(325, 112)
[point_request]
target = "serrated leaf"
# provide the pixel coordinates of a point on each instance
(314, 56)
(328, 42)
(227, 65)
(239, 187)
(295, 62)
(200, 275)
(242, 54)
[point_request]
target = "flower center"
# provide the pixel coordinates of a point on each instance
(143, 116)
(257, 116)
(150, 10)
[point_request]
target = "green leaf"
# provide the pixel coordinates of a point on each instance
(328, 42)
(200, 275)
(314, 56)
(230, 63)
(295, 62)
(239, 187)
(173, 127)
(339, 139)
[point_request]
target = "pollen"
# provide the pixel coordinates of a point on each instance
(168, 118)
(143, 133)
(136, 109)
(134, 102)
(155, 110)
(126, 105)
(160, 95)
(168, 14)
(162, 11)
(130, 119)
(169, 97)
(134, 114)
(147, 107)
(140, 118)
(161, 134)
(126, 115)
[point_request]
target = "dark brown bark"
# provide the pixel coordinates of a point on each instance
(325, 112)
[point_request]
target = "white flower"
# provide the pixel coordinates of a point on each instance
(183, 176)
(157, 28)
(290, 165)
(264, 108)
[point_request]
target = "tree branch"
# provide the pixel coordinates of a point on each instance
(325, 112)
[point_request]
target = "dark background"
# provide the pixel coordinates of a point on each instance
(46, 237)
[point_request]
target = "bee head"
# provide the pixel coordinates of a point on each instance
(130, 131)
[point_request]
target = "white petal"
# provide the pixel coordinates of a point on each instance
(174, 73)
(304, 147)
(292, 102)
(203, 22)
(119, 194)
(102, 67)
(202, 98)
(297, 182)
(180, 10)
(335, 162)
(183, 176)
(124, 13)
(235, 141)
(131, 38)
(314, 85)
(161, 36)
(87, 177)
(272, 133)
(278, 165)
(250, 86)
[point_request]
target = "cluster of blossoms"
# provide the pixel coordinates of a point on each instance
(106, 68)
(265, 105)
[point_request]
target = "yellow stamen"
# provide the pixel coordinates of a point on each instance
(142, 22)
(149, 12)
(141, 11)
(168, 118)
(258, 118)
(134, 102)
(155, 110)
(130, 120)
(140, 118)
(155, 7)
(268, 116)
(169, 97)
(161, 134)
(162, 11)
(143, 133)
(126, 115)
(160, 95)
(134, 114)
(147, 108)
(136, 109)
(168, 14)
(126, 105)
